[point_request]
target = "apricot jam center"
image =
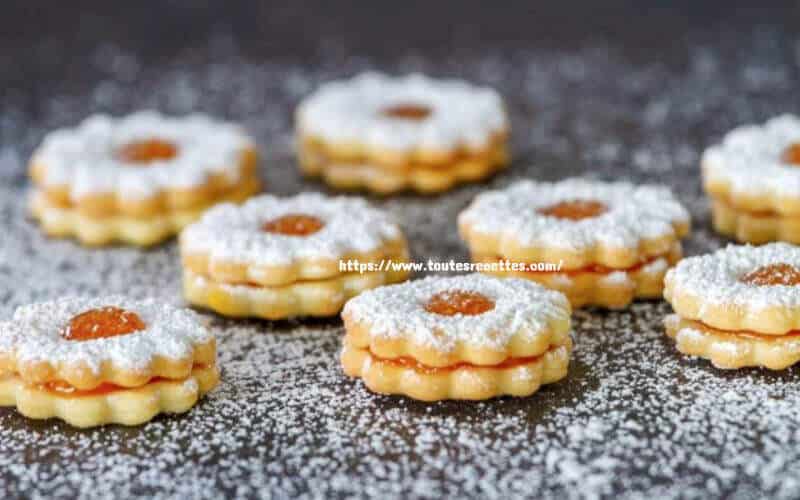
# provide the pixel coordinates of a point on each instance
(575, 209)
(773, 274)
(294, 225)
(147, 151)
(102, 323)
(407, 112)
(791, 154)
(452, 302)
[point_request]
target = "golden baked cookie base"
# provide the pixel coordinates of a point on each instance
(730, 350)
(83, 377)
(463, 382)
(771, 320)
(140, 231)
(342, 173)
(234, 272)
(754, 227)
(614, 257)
(303, 298)
(743, 202)
(523, 343)
(131, 406)
(94, 206)
(613, 289)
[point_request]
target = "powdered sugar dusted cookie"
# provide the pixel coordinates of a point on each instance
(611, 241)
(463, 337)
(753, 179)
(279, 257)
(145, 168)
(388, 134)
(739, 306)
(104, 360)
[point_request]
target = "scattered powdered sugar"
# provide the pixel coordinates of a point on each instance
(352, 111)
(716, 278)
(633, 213)
(236, 232)
(33, 334)
(749, 159)
(633, 419)
(398, 311)
(85, 159)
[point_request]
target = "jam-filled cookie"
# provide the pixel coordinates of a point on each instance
(600, 243)
(464, 337)
(388, 134)
(138, 179)
(101, 361)
(277, 258)
(753, 179)
(738, 307)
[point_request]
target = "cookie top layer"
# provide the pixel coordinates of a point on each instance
(36, 334)
(403, 113)
(89, 159)
(575, 214)
(752, 160)
(519, 309)
(341, 225)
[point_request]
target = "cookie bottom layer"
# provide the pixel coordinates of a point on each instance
(378, 179)
(303, 298)
(610, 289)
(67, 222)
(730, 350)
(463, 381)
(753, 227)
(131, 406)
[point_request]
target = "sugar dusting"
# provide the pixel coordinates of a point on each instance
(632, 416)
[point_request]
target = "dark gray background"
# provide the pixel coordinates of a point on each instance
(620, 90)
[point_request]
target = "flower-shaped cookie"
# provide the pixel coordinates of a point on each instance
(600, 243)
(753, 179)
(138, 179)
(464, 337)
(389, 134)
(739, 306)
(107, 360)
(280, 257)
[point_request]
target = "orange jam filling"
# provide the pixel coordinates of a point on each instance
(102, 323)
(147, 151)
(407, 362)
(791, 154)
(747, 333)
(773, 274)
(61, 388)
(408, 111)
(294, 225)
(452, 302)
(577, 209)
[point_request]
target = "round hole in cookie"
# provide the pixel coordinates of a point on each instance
(791, 154)
(102, 323)
(576, 209)
(452, 302)
(294, 225)
(147, 151)
(773, 274)
(407, 111)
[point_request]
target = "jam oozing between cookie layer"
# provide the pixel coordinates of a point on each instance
(406, 362)
(294, 225)
(791, 154)
(575, 209)
(452, 302)
(147, 151)
(102, 323)
(773, 274)
(407, 111)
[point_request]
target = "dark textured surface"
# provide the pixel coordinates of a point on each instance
(622, 90)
